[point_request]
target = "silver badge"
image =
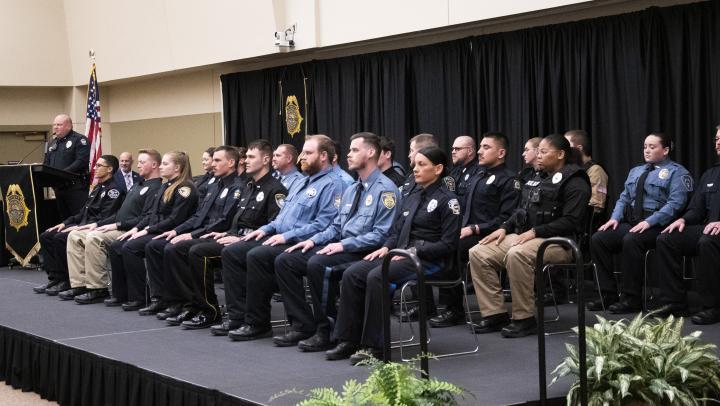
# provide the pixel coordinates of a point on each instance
(432, 206)
(211, 181)
(224, 193)
(664, 173)
(144, 190)
(490, 180)
(260, 196)
(102, 194)
(68, 144)
(405, 213)
(557, 178)
(368, 200)
(311, 192)
(467, 175)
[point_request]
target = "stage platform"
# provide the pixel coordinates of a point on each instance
(93, 355)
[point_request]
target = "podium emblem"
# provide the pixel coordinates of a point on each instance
(17, 210)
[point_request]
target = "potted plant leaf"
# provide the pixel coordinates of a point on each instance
(646, 361)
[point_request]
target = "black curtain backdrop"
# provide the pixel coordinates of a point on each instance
(618, 77)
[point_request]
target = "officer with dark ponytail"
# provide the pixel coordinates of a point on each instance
(551, 206)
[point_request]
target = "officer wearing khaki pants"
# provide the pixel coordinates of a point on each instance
(87, 249)
(553, 204)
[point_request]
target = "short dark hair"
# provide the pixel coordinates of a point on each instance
(242, 152)
(112, 161)
(387, 144)
(572, 155)
(371, 140)
(580, 137)
(499, 137)
(261, 145)
(231, 153)
(424, 140)
(210, 151)
(292, 150)
(665, 139)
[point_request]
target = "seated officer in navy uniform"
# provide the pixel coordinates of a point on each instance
(202, 182)
(248, 265)
(366, 213)
(214, 214)
(385, 161)
(428, 225)
(175, 202)
(465, 165)
(695, 234)
(104, 199)
(70, 152)
(490, 199)
(191, 281)
(655, 194)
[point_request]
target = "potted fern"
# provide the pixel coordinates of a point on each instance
(643, 362)
(388, 384)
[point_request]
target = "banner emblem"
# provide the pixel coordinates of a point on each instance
(17, 210)
(293, 119)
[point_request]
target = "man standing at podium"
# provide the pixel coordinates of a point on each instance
(70, 152)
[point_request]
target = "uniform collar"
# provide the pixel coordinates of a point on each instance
(433, 186)
(374, 176)
(495, 169)
(665, 162)
(320, 174)
(292, 170)
(153, 180)
(264, 179)
(229, 178)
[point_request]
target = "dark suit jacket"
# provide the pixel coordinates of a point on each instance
(120, 180)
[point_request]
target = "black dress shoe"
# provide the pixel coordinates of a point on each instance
(413, 314)
(674, 309)
(178, 319)
(249, 332)
(596, 305)
(112, 301)
(170, 311)
(492, 323)
(318, 342)
(57, 288)
(626, 305)
(368, 353)
(200, 321)
(225, 327)
(342, 351)
(291, 338)
(70, 294)
(92, 296)
(156, 305)
(520, 328)
(132, 305)
(45, 286)
(707, 316)
(448, 318)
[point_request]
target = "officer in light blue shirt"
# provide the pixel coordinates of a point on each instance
(309, 208)
(362, 225)
(655, 194)
(283, 162)
(343, 176)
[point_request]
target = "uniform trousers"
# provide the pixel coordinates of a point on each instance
(486, 261)
(633, 246)
(361, 313)
(234, 276)
(53, 248)
(671, 247)
(191, 280)
(71, 200)
(290, 268)
(87, 257)
(129, 276)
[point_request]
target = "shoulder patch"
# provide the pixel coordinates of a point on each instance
(454, 206)
(517, 185)
(83, 140)
(184, 191)
(113, 193)
(280, 200)
(687, 181)
(449, 183)
(388, 199)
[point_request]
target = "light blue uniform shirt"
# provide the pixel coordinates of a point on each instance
(667, 188)
(346, 179)
(370, 225)
(292, 178)
(309, 208)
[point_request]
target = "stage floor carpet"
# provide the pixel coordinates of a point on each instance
(502, 372)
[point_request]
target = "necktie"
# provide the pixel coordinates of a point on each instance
(404, 238)
(356, 199)
(128, 181)
(640, 193)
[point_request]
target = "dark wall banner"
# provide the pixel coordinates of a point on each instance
(19, 212)
(618, 77)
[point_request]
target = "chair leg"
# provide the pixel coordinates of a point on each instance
(599, 289)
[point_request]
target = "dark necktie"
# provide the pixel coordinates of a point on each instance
(640, 193)
(356, 199)
(404, 238)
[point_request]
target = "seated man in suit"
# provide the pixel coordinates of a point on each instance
(126, 177)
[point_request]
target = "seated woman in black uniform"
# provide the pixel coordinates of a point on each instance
(175, 202)
(428, 224)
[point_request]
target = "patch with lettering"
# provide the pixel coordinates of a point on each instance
(113, 193)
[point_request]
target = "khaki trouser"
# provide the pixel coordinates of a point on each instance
(487, 260)
(88, 262)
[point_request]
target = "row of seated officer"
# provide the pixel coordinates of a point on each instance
(321, 219)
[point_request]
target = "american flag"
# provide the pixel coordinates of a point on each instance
(92, 127)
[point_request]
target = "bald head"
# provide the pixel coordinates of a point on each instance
(463, 150)
(126, 162)
(62, 125)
